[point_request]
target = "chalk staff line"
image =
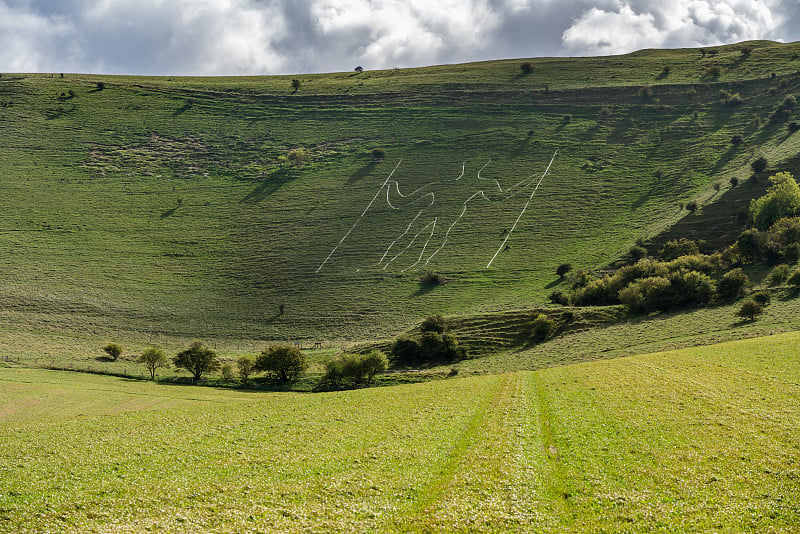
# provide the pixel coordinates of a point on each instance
(361, 217)
(521, 213)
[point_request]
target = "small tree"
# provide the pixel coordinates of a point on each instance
(113, 350)
(286, 362)
(737, 139)
(563, 269)
(526, 68)
(359, 69)
(197, 359)
(296, 85)
(153, 359)
(759, 165)
(372, 363)
(435, 323)
(246, 366)
(750, 310)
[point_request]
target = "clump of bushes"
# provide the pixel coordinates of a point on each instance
(759, 165)
(427, 349)
(353, 369)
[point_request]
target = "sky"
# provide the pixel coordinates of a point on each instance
(250, 37)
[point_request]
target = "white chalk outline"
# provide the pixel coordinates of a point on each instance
(509, 193)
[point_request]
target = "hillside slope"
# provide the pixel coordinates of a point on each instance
(234, 207)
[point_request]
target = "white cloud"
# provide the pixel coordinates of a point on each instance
(285, 36)
(632, 25)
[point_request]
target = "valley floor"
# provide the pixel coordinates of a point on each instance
(698, 440)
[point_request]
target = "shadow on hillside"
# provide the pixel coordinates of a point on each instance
(269, 185)
(169, 212)
(364, 171)
(423, 289)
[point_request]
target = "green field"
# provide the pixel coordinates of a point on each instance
(697, 440)
(165, 208)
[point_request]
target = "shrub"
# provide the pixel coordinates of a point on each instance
(432, 279)
(560, 297)
(762, 297)
(297, 156)
(778, 275)
(434, 323)
(567, 117)
(750, 309)
(526, 68)
(245, 365)
(759, 165)
(749, 244)
(333, 375)
(368, 365)
(101, 86)
(647, 294)
(794, 279)
(285, 362)
(563, 269)
(636, 253)
(405, 350)
(542, 328)
(646, 92)
(714, 71)
(432, 347)
(113, 350)
(678, 247)
(782, 199)
(734, 181)
(197, 359)
(732, 284)
(605, 112)
(690, 288)
(737, 139)
(153, 359)
(227, 371)
(793, 126)
(378, 154)
(691, 206)
(296, 85)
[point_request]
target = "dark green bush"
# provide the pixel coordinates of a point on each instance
(759, 165)
(542, 328)
(762, 297)
(563, 269)
(778, 275)
(434, 323)
(432, 279)
(732, 284)
(678, 247)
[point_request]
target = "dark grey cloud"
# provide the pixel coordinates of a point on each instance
(286, 36)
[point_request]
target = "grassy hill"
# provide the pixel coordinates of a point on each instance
(697, 440)
(172, 208)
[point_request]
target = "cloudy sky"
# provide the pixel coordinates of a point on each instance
(208, 37)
